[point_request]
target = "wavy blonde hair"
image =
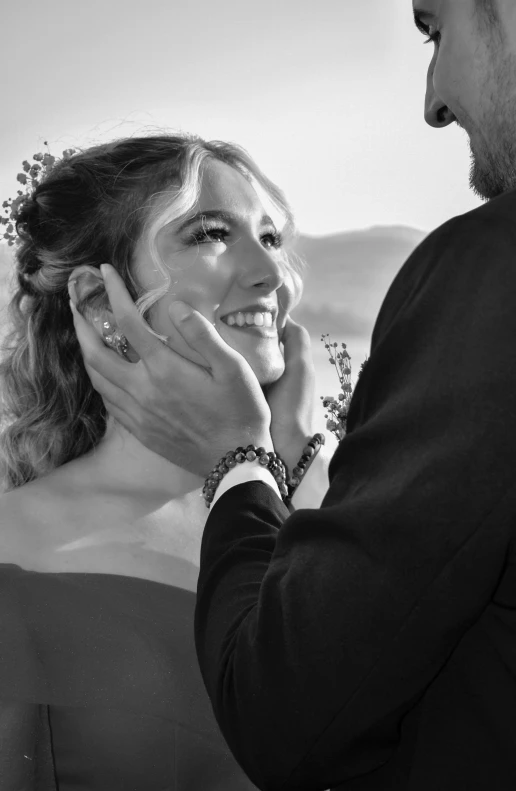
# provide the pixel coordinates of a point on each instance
(90, 209)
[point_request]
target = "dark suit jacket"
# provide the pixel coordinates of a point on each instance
(371, 644)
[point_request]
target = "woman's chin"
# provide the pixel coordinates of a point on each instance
(268, 370)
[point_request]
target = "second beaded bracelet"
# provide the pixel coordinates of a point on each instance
(310, 451)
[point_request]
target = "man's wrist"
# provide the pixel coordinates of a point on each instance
(268, 460)
(245, 473)
(243, 440)
(314, 485)
(292, 452)
(309, 452)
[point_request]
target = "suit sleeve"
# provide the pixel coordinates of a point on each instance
(317, 632)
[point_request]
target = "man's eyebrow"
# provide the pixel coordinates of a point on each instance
(421, 17)
(219, 214)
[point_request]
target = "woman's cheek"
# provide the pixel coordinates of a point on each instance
(161, 323)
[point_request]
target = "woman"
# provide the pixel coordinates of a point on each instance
(100, 536)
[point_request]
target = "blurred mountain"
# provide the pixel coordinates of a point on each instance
(348, 275)
(346, 278)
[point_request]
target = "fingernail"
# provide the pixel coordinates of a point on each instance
(104, 270)
(180, 311)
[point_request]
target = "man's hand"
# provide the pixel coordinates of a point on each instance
(189, 414)
(291, 398)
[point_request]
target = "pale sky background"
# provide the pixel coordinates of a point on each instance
(327, 96)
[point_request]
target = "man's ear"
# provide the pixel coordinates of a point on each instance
(88, 293)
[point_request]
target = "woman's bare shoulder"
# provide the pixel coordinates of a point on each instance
(49, 526)
(25, 519)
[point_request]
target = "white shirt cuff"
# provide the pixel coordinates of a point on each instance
(242, 473)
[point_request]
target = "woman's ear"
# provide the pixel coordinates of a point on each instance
(88, 294)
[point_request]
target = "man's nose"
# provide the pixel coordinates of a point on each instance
(437, 113)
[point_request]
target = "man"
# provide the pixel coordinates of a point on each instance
(371, 644)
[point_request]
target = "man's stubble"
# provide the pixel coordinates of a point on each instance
(493, 140)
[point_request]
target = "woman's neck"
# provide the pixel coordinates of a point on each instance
(121, 462)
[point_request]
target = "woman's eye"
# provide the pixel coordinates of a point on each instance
(220, 235)
(272, 239)
(207, 235)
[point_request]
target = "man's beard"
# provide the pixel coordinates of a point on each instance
(493, 144)
(493, 170)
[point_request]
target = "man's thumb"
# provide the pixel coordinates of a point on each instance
(296, 342)
(202, 336)
(179, 312)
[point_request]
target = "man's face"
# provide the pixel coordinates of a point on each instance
(472, 81)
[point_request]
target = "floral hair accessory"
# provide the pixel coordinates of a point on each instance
(30, 178)
(337, 408)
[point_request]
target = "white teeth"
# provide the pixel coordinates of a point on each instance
(250, 319)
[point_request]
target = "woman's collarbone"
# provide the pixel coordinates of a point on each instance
(62, 534)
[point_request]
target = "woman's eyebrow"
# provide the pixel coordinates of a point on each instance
(216, 214)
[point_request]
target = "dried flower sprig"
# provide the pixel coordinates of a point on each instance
(337, 408)
(30, 178)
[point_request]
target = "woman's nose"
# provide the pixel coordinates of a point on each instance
(437, 113)
(260, 267)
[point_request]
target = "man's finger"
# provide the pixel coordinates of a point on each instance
(127, 316)
(299, 365)
(109, 392)
(203, 338)
(96, 355)
(296, 340)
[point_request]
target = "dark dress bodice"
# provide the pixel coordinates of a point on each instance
(113, 659)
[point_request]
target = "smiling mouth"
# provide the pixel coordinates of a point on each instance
(253, 329)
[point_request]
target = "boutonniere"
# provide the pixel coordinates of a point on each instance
(337, 408)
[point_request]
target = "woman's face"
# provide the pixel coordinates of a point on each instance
(225, 260)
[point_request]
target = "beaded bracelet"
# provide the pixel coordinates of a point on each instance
(310, 451)
(271, 461)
